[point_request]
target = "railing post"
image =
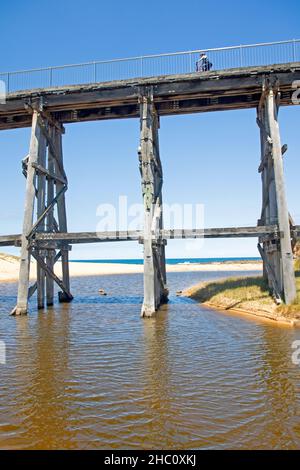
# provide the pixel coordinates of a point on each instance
(141, 66)
(51, 78)
(294, 50)
(8, 84)
(95, 72)
(241, 56)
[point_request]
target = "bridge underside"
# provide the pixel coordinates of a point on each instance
(172, 95)
(45, 236)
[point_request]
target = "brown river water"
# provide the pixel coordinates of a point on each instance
(93, 374)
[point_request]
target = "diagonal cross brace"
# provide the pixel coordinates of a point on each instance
(52, 148)
(46, 211)
(49, 271)
(33, 288)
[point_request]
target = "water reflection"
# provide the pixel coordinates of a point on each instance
(280, 389)
(92, 374)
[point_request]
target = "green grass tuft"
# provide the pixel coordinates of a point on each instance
(248, 293)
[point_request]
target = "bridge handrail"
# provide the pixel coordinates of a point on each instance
(289, 50)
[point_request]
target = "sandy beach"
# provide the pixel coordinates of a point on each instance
(9, 268)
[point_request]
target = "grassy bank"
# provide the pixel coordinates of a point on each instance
(250, 294)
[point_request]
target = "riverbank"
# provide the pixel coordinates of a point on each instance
(246, 295)
(9, 268)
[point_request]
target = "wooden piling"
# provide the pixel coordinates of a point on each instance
(50, 222)
(277, 253)
(22, 299)
(286, 265)
(41, 203)
(155, 289)
(62, 217)
(45, 180)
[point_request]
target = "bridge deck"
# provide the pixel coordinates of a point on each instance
(173, 94)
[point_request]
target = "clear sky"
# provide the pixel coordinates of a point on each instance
(207, 158)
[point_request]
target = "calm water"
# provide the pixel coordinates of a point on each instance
(92, 374)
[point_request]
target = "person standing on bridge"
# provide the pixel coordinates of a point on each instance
(203, 64)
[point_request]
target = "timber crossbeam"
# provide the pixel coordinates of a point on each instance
(70, 238)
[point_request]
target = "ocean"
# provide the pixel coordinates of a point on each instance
(168, 260)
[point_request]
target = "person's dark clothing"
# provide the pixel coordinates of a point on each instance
(203, 65)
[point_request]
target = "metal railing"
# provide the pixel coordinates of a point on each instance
(152, 65)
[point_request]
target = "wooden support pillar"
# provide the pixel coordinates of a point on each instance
(155, 289)
(269, 205)
(22, 301)
(277, 254)
(288, 284)
(62, 217)
(50, 225)
(41, 204)
(46, 181)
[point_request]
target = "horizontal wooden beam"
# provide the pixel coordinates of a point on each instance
(296, 232)
(59, 239)
(48, 174)
(93, 237)
(87, 237)
(10, 240)
(229, 232)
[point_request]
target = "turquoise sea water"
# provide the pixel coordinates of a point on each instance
(168, 261)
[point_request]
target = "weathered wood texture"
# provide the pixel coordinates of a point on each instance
(41, 205)
(45, 110)
(174, 94)
(62, 219)
(56, 238)
(288, 283)
(155, 288)
(22, 299)
(45, 181)
(50, 224)
(277, 254)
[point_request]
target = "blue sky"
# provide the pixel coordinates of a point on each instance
(207, 158)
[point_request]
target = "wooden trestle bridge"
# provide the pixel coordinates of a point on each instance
(45, 236)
